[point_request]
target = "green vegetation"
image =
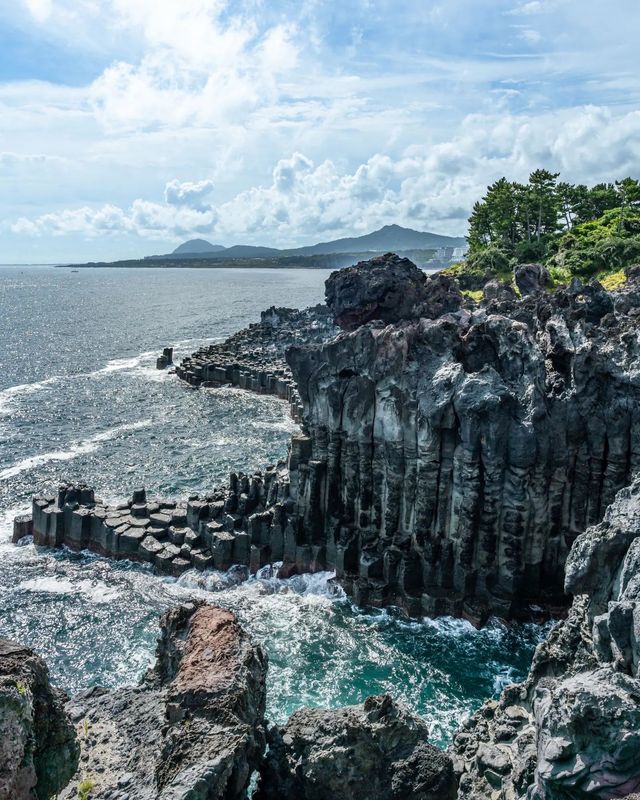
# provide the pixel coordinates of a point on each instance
(84, 789)
(22, 689)
(573, 229)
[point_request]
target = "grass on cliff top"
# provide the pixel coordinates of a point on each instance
(611, 280)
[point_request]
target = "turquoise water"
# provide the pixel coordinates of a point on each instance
(80, 399)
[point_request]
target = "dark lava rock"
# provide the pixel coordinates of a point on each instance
(390, 289)
(531, 278)
(497, 290)
(38, 746)
(375, 750)
(193, 730)
(572, 729)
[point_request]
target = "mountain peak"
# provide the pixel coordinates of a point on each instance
(198, 246)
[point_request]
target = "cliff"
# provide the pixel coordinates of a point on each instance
(456, 452)
(572, 729)
(450, 452)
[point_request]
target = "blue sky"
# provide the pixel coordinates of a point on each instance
(128, 126)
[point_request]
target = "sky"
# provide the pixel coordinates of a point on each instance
(129, 126)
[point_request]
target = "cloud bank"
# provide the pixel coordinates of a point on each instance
(288, 122)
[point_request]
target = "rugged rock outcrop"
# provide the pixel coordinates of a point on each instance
(454, 460)
(572, 729)
(194, 728)
(377, 749)
(38, 746)
(253, 358)
(388, 288)
(531, 278)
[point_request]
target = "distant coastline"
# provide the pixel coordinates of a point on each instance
(423, 258)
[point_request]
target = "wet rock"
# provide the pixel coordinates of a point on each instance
(38, 747)
(22, 526)
(378, 749)
(193, 728)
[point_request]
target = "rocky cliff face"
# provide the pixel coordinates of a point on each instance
(456, 453)
(194, 728)
(450, 453)
(572, 730)
(377, 749)
(38, 746)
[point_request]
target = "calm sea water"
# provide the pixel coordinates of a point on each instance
(80, 399)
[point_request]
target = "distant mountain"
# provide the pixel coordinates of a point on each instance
(390, 238)
(249, 251)
(197, 246)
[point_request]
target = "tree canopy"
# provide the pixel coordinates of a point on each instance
(568, 226)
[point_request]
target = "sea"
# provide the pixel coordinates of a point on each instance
(81, 400)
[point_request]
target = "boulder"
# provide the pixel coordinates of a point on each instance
(531, 278)
(38, 745)
(390, 289)
(375, 750)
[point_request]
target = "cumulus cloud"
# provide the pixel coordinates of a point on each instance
(427, 188)
(311, 119)
(187, 193)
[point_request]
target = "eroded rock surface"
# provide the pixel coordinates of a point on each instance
(194, 728)
(390, 289)
(572, 729)
(38, 746)
(253, 358)
(454, 460)
(377, 749)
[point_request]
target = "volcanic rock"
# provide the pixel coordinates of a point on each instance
(572, 729)
(38, 746)
(531, 278)
(377, 749)
(193, 730)
(388, 288)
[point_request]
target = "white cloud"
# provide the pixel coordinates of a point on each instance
(40, 10)
(426, 188)
(398, 110)
(187, 193)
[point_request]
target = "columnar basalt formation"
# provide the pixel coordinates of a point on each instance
(456, 453)
(38, 745)
(194, 728)
(572, 729)
(449, 456)
(253, 358)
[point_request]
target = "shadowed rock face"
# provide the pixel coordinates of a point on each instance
(378, 749)
(572, 730)
(455, 460)
(531, 278)
(193, 729)
(38, 747)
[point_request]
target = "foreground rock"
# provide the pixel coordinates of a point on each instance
(378, 749)
(194, 729)
(38, 746)
(572, 730)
